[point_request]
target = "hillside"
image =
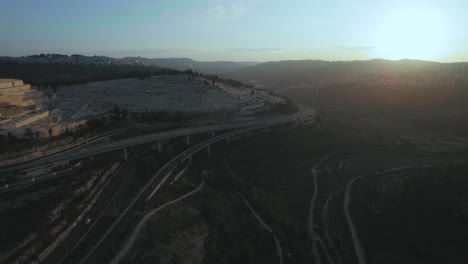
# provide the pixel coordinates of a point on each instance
(315, 73)
(427, 95)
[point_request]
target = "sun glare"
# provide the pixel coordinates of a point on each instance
(413, 34)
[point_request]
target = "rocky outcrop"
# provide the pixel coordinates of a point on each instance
(23, 107)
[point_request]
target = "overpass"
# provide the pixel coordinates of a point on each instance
(83, 152)
(80, 152)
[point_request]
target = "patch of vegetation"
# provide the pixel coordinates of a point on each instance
(418, 216)
(53, 75)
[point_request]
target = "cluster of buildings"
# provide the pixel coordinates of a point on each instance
(73, 59)
(22, 107)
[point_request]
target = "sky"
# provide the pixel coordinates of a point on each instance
(238, 30)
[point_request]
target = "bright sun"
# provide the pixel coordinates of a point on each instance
(413, 34)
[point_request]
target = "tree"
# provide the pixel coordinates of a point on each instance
(124, 113)
(10, 137)
(28, 133)
(50, 131)
(116, 113)
(37, 134)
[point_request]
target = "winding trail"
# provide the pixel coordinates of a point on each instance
(358, 249)
(128, 245)
(279, 249)
(326, 228)
(314, 172)
(314, 236)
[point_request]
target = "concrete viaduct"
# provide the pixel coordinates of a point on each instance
(236, 129)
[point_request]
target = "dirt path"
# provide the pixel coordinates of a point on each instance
(358, 249)
(279, 249)
(310, 221)
(326, 229)
(128, 245)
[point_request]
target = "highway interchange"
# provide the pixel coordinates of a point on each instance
(85, 151)
(71, 246)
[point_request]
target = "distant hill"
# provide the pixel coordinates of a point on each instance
(282, 74)
(75, 59)
(425, 93)
(217, 67)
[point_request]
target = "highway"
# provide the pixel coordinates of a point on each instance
(144, 139)
(81, 231)
(82, 143)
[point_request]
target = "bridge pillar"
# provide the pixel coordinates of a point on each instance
(228, 140)
(124, 154)
(91, 158)
(187, 140)
(208, 148)
(190, 160)
(159, 146)
(213, 134)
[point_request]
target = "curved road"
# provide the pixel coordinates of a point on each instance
(143, 221)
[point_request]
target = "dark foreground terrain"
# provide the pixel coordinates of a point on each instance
(399, 219)
(410, 208)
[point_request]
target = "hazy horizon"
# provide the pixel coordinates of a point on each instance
(243, 30)
(239, 61)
